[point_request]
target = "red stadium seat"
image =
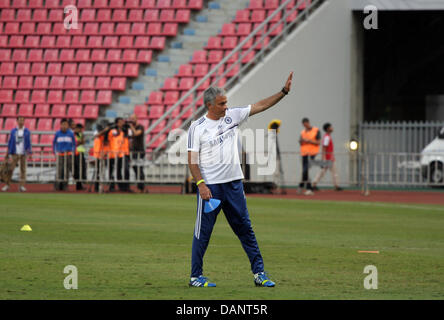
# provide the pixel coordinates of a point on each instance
(163, 4)
(58, 111)
(122, 29)
(70, 69)
(75, 111)
(126, 42)
(188, 100)
(104, 97)
(38, 96)
(186, 84)
(91, 29)
(166, 15)
(131, 70)
(56, 125)
(12, 28)
(170, 84)
(5, 54)
(248, 57)
(23, 68)
(118, 84)
(204, 84)
(10, 123)
(23, 15)
(107, 29)
(57, 82)
(28, 28)
(215, 56)
(35, 55)
(55, 69)
(26, 110)
(72, 83)
(179, 4)
(58, 29)
(44, 125)
(88, 97)
(100, 69)
(155, 97)
(19, 55)
(103, 83)
(51, 55)
(65, 42)
(200, 70)
(185, 70)
(233, 58)
(47, 139)
(84, 4)
(30, 123)
(234, 70)
(116, 4)
(41, 110)
(55, 96)
(170, 29)
(48, 42)
(104, 15)
(98, 55)
(71, 96)
(199, 56)
(111, 42)
(113, 55)
(119, 15)
(195, 4)
(276, 18)
(229, 43)
(228, 29)
(278, 28)
(141, 42)
(93, 42)
(135, 15)
(261, 30)
(41, 83)
(91, 111)
(9, 110)
(38, 68)
(129, 55)
(183, 16)
(9, 83)
(257, 16)
(244, 29)
(157, 43)
(132, 4)
(214, 43)
(116, 69)
(154, 29)
(22, 96)
(55, 15)
(242, 15)
(84, 69)
(7, 68)
(171, 97)
(156, 111)
(144, 56)
(141, 111)
(261, 43)
(256, 4)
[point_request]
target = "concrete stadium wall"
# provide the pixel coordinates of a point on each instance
(322, 53)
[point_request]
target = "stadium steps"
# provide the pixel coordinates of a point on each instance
(180, 49)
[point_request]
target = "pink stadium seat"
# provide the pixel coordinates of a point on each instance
(233, 58)
(155, 97)
(104, 15)
(38, 69)
(23, 15)
(5, 54)
(88, 97)
(93, 42)
(23, 68)
(156, 111)
(132, 3)
(188, 100)
(22, 96)
(278, 28)
(141, 42)
(44, 125)
(214, 43)
(55, 96)
(98, 55)
(85, 69)
(12, 28)
(129, 55)
(75, 111)
(154, 29)
(104, 97)
(248, 44)
(261, 43)
(186, 84)
(200, 70)
(185, 70)
(183, 16)
(107, 29)
(257, 16)
(82, 55)
(48, 42)
(113, 55)
(41, 110)
(119, 15)
(28, 28)
(171, 97)
(103, 83)
(116, 3)
(10, 123)
(51, 55)
(242, 15)
(91, 111)
(164, 4)
(170, 84)
(26, 110)
(116, 69)
(234, 70)
(30, 123)
(199, 56)
(126, 42)
(71, 96)
(204, 84)
(58, 111)
(141, 111)
(9, 110)
(228, 29)
(244, 29)
(35, 139)
(72, 83)
(111, 42)
(47, 139)
(38, 96)
(166, 15)
(151, 15)
(19, 55)
(157, 43)
(7, 68)
(55, 15)
(170, 29)
(131, 70)
(122, 29)
(41, 82)
(65, 42)
(35, 55)
(101, 3)
(1, 124)
(55, 69)
(52, 3)
(248, 57)
(57, 82)
(256, 4)
(179, 4)
(187, 114)
(176, 125)
(17, 41)
(40, 15)
(19, 4)
(7, 15)
(70, 69)
(84, 4)
(118, 84)
(87, 14)
(261, 30)
(276, 18)
(144, 56)
(56, 125)
(91, 29)
(229, 43)
(10, 83)
(271, 4)
(135, 15)
(100, 69)
(214, 56)
(138, 28)
(195, 4)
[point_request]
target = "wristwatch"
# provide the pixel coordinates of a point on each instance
(284, 91)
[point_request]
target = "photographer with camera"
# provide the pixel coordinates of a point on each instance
(137, 147)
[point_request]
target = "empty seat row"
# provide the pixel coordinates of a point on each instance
(84, 42)
(274, 4)
(70, 69)
(245, 28)
(231, 42)
(79, 55)
(163, 4)
(62, 82)
(56, 96)
(156, 111)
(28, 110)
(41, 125)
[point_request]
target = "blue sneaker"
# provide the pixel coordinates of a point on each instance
(261, 280)
(201, 282)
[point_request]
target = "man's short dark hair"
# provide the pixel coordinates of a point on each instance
(79, 125)
(304, 120)
(326, 126)
(64, 120)
(117, 119)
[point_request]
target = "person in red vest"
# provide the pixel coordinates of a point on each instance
(329, 157)
(310, 140)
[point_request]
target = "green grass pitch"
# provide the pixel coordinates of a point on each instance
(139, 247)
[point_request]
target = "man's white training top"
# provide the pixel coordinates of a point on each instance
(218, 145)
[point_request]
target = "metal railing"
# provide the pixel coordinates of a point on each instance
(243, 68)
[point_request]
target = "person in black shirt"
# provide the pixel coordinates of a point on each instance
(137, 148)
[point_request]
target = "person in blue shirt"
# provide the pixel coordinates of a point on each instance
(64, 146)
(19, 146)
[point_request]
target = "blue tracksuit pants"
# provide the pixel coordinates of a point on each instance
(234, 206)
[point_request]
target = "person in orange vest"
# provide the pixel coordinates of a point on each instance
(100, 154)
(309, 140)
(118, 154)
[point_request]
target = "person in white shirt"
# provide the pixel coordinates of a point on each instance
(213, 159)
